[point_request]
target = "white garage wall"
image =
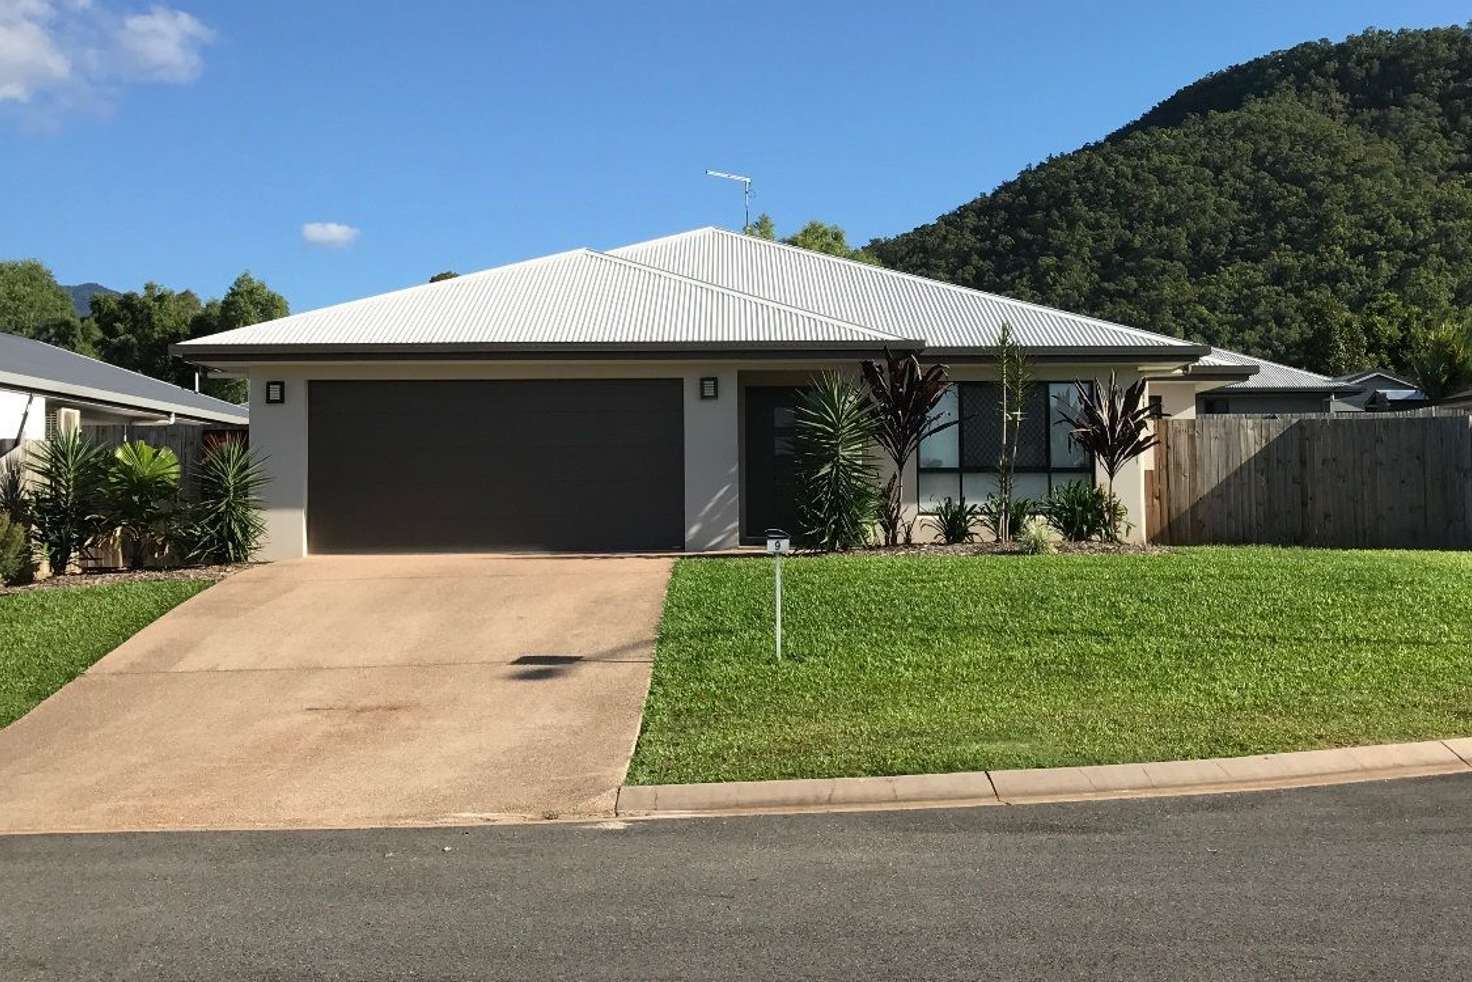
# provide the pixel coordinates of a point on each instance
(712, 435)
(712, 503)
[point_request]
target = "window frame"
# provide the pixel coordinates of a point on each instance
(1088, 471)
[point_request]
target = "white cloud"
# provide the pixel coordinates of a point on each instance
(332, 235)
(57, 55)
(163, 45)
(29, 59)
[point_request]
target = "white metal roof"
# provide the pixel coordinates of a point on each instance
(34, 366)
(1270, 375)
(947, 316)
(580, 298)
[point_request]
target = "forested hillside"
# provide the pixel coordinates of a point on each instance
(1313, 206)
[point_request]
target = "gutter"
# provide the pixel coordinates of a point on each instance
(115, 400)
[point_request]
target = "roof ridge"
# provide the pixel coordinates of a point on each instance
(448, 284)
(118, 368)
(930, 281)
(765, 301)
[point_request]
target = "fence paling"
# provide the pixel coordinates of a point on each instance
(1392, 480)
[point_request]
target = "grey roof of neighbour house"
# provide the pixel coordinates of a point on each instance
(1268, 376)
(33, 366)
(703, 290)
(580, 299)
(949, 317)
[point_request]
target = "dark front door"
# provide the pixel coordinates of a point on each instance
(458, 465)
(768, 491)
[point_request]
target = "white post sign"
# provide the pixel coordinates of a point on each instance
(778, 543)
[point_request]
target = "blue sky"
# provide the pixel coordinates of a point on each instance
(188, 141)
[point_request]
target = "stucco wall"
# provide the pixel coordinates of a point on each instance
(712, 435)
(279, 433)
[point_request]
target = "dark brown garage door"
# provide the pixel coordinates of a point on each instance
(469, 466)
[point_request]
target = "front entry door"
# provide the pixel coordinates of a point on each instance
(769, 490)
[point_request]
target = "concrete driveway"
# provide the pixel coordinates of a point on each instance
(353, 691)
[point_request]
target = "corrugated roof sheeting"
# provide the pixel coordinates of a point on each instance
(575, 298)
(26, 364)
(947, 316)
(1270, 374)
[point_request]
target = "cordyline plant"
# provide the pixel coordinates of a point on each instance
(905, 398)
(1111, 424)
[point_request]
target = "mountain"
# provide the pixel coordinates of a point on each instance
(83, 293)
(1312, 206)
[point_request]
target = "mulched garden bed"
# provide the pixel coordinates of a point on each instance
(1013, 549)
(103, 577)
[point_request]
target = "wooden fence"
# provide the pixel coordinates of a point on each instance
(187, 440)
(1366, 480)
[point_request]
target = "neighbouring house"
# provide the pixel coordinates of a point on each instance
(44, 388)
(1381, 392)
(1273, 389)
(643, 397)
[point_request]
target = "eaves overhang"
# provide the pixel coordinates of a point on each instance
(203, 354)
(107, 399)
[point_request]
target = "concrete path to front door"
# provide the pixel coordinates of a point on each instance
(353, 691)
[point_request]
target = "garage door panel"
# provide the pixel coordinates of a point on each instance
(482, 465)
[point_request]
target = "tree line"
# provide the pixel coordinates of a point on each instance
(133, 330)
(1313, 206)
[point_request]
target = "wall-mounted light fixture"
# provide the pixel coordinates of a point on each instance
(708, 387)
(275, 393)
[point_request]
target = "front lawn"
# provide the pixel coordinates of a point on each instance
(49, 637)
(915, 664)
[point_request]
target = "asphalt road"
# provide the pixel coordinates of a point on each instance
(1367, 881)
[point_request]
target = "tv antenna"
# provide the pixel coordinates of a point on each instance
(745, 192)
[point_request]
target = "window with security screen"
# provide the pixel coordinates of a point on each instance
(961, 461)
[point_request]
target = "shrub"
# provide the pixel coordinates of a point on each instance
(954, 522)
(226, 524)
(1080, 512)
(833, 431)
(66, 507)
(14, 504)
(905, 397)
(142, 494)
(15, 553)
(1035, 537)
(1018, 513)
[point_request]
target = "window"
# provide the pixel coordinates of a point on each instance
(961, 462)
(1157, 407)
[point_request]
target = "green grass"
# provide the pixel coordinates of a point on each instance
(915, 664)
(49, 637)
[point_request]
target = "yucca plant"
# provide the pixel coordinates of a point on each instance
(905, 398)
(954, 521)
(67, 509)
(142, 495)
(14, 503)
(833, 432)
(226, 525)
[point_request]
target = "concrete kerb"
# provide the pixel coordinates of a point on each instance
(1047, 784)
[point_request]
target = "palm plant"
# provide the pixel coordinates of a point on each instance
(1113, 425)
(1441, 359)
(954, 521)
(142, 489)
(227, 526)
(833, 431)
(66, 507)
(905, 398)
